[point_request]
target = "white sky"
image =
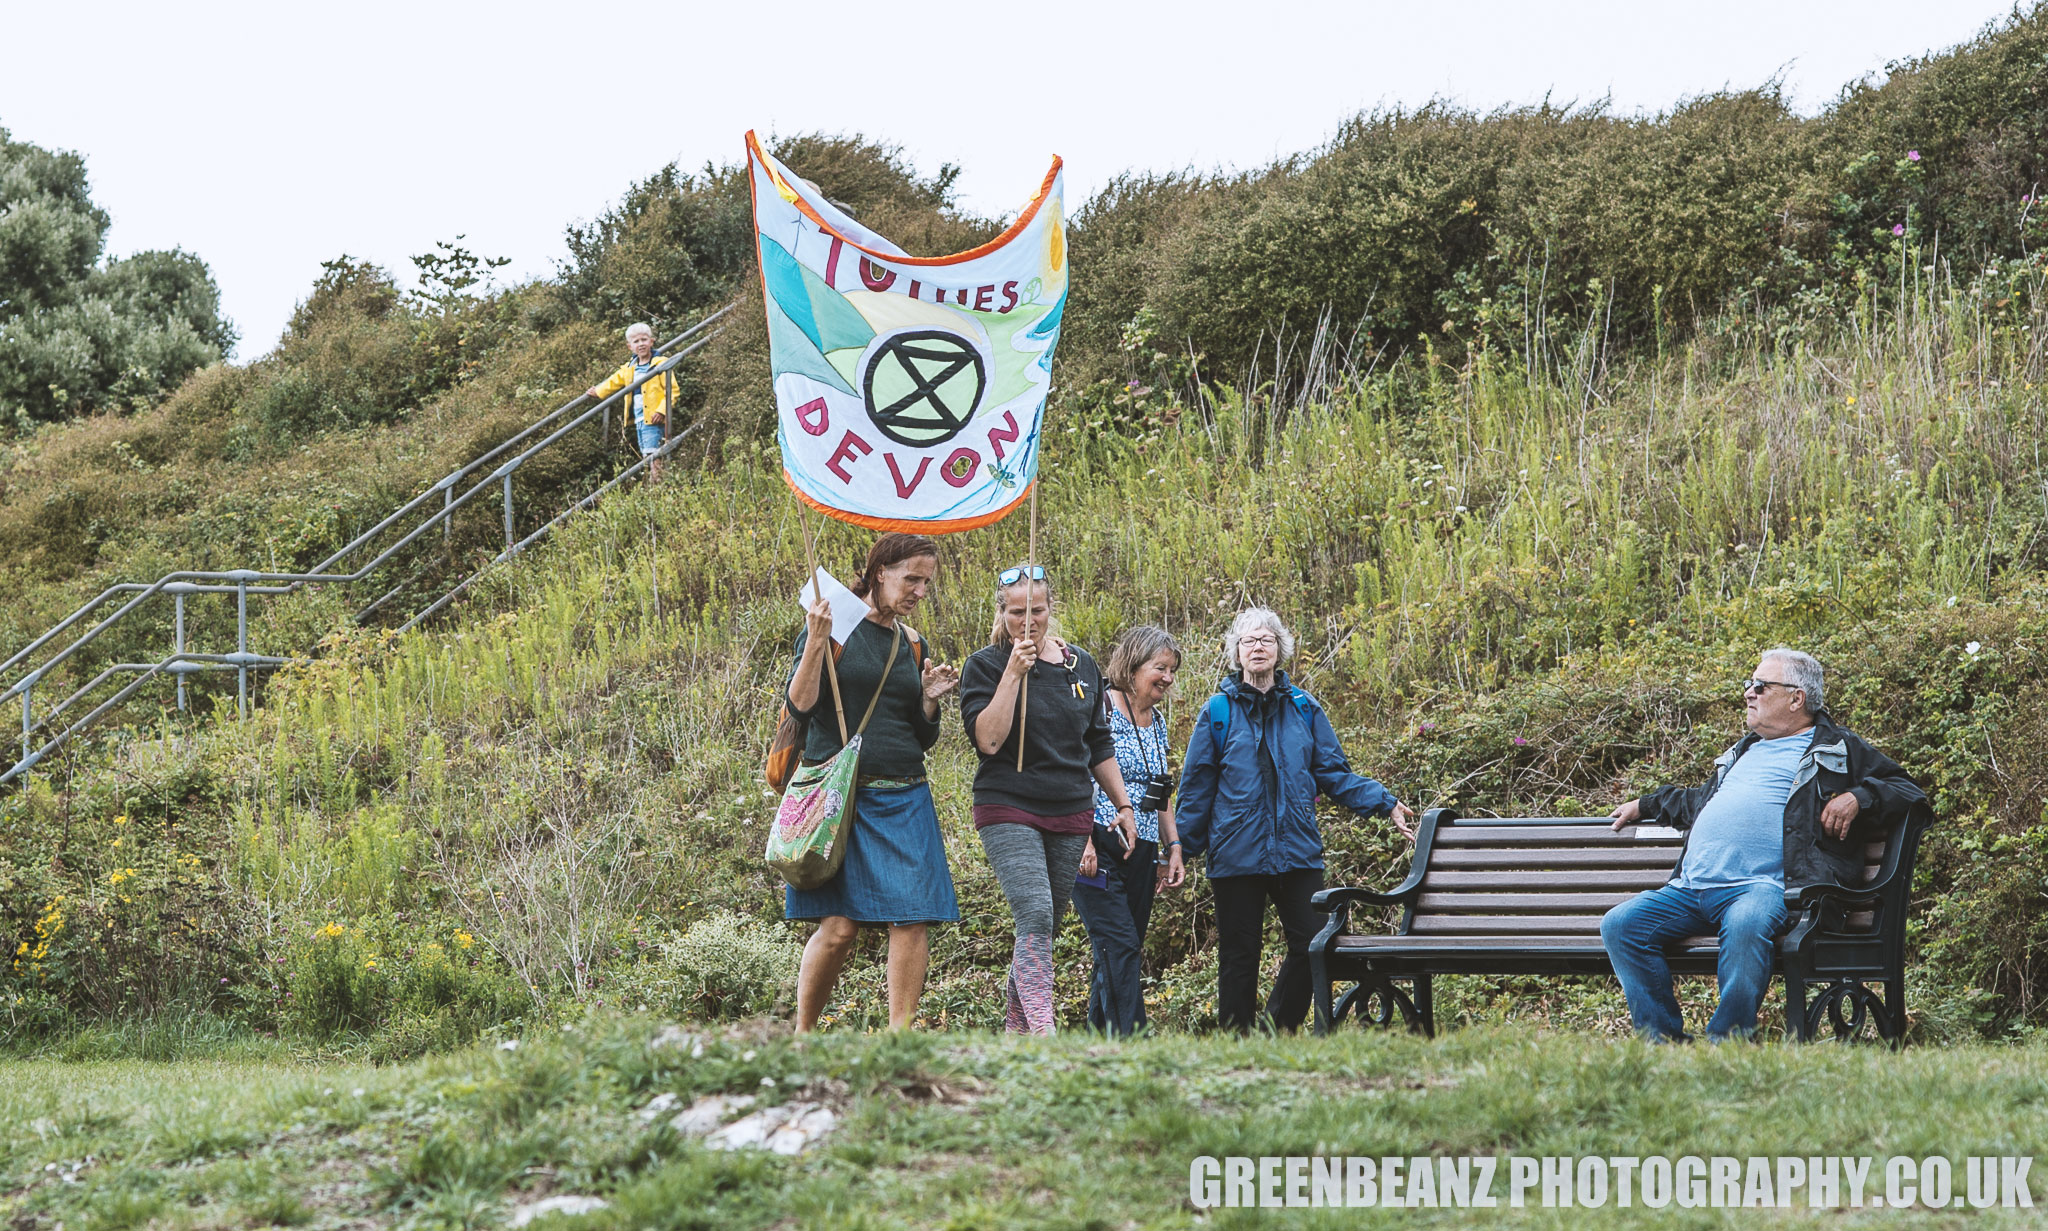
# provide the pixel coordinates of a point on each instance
(269, 137)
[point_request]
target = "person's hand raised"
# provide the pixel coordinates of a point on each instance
(818, 620)
(939, 679)
(1022, 655)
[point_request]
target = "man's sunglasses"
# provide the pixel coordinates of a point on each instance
(1011, 576)
(1765, 686)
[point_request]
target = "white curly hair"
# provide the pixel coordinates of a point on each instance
(1249, 620)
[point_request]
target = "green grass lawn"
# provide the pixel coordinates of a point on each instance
(966, 1130)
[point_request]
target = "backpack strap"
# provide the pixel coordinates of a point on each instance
(1219, 717)
(1219, 712)
(917, 647)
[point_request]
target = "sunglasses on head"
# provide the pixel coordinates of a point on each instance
(1011, 576)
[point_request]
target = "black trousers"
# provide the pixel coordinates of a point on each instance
(1117, 917)
(1241, 930)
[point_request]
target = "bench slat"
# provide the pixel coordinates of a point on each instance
(1504, 925)
(1503, 944)
(1553, 857)
(1549, 881)
(1520, 903)
(1545, 925)
(1557, 835)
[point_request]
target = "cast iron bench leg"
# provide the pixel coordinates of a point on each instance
(1319, 979)
(1795, 1004)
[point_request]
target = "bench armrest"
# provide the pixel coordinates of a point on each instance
(1813, 895)
(1327, 900)
(1341, 899)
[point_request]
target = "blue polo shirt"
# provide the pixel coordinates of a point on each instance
(1739, 837)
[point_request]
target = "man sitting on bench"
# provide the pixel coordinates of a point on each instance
(1791, 804)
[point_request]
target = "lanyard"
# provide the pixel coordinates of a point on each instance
(1146, 746)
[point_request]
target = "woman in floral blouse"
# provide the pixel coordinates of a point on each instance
(1114, 893)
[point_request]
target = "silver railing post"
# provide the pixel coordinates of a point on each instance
(242, 644)
(447, 521)
(510, 537)
(178, 645)
(27, 724)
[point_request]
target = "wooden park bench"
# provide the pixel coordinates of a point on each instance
(1524, 896)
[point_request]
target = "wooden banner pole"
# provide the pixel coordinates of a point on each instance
(817, 593)
(1030, 560)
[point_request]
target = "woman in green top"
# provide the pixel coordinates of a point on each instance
(895, 873)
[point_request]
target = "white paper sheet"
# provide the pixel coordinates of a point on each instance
(848, 609)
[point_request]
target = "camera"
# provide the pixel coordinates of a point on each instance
(1157, 792)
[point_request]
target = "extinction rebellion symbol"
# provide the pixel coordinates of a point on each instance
(923, 386)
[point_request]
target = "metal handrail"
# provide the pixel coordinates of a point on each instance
(244, 582)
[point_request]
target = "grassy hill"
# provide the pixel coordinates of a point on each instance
(1529, 533)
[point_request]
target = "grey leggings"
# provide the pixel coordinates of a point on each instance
(1036, 870)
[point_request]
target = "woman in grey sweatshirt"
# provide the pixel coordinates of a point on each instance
(1035, 822)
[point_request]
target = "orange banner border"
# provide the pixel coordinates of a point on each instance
(910, 525)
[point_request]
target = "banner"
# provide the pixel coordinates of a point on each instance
(909, 389)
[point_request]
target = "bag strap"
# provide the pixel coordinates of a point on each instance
(895, 644)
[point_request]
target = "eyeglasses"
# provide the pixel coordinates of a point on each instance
(1765, 686)
(1011, 576)
(1253, 642)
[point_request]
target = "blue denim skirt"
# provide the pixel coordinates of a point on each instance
(895, 869)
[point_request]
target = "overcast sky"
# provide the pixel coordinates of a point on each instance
(269, 137)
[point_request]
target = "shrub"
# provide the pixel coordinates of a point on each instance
(406, 990)
(723, 966)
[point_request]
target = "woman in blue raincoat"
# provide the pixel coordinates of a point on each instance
(1261, 752)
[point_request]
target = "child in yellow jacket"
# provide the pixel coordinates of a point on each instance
(651, 401)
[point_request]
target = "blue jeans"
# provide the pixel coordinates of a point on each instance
(1745, 917)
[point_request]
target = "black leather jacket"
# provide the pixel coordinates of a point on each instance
(1838, 761)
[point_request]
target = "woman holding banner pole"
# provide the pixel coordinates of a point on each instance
(895, 872)
(1035, 821)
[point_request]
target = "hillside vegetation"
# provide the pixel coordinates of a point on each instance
(1533, 499)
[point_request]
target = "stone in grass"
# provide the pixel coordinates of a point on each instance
(790, 1128)
(565, 1205)
(709, 1112)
